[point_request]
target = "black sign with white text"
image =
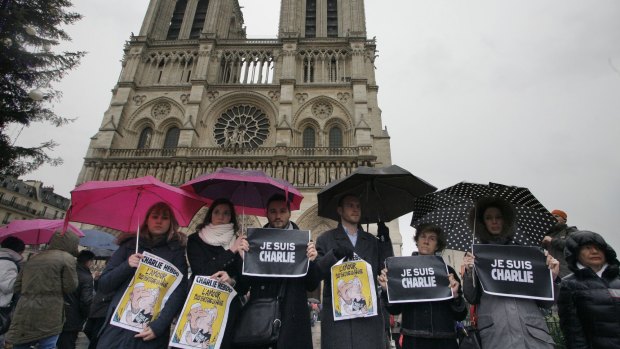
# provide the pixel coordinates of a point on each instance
(417, 279)
(513, 271)
(276, 252)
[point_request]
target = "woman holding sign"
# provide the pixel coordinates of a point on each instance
(504, 322)
(159, 236)
(215, 250)
(429, 325)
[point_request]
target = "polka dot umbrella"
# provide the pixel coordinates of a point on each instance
(449, 208)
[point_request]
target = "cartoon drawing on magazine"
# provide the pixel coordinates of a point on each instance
(141, 305)
(199, 326)
(352, 302)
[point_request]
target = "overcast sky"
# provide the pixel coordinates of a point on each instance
(522, 93)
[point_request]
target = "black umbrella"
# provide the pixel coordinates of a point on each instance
(385, 193)
(449, 208)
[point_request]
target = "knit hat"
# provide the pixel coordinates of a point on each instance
(559, 213)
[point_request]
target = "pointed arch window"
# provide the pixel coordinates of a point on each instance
(176, 20)
(332, 18)
(199, 19)
(335, 137)
(310, 18)
(172, 138)
(144, 142)
(309, 137)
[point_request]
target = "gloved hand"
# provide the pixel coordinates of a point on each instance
(343, 251)
(383, 232)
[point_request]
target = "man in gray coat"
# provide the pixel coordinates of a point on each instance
(333, 245)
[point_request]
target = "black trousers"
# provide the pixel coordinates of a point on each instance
(67, 340)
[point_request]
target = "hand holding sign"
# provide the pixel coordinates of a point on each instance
(553, 264)
(311, 251)
(134, 260)
(468, 261)
(454, 285)
(241, 244)
(147, 334)
(343, 251)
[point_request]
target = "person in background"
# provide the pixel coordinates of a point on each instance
(333, 245)
(10, 264)
(159, 235)
(215, 250)
(504, 322)
(77, 303)
(44, 280)
(97, 313)
(429, 325)
(590, 297)
(555, 240)
(295, 331)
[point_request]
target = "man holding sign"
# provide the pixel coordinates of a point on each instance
(333, 245)
(427, 322)
(295, 330)
(505, 321)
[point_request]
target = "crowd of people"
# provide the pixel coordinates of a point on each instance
(54, 296)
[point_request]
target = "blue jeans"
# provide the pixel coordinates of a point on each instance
(44, 343)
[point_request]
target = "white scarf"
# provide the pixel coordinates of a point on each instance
(218, 235)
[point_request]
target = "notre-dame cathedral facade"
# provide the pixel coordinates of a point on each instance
(194, 94)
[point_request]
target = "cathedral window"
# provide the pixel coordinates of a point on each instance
(310, 18)
(199, 19)
(144, 142)
(177, 20)
(172, 138)
(242, 126)
(335, 137)
(309, 137)
(309, 69)
(332, 18)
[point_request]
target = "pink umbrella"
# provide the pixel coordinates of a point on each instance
(248, 190)
(36, 231)
(122, 205)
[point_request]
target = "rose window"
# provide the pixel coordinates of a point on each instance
(322, 110)
(241, 126)
(161, 110)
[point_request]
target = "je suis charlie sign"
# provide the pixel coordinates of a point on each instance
(417, 279)
(276, 252)
(514, 271)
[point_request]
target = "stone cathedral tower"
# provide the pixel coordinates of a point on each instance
(195, 94)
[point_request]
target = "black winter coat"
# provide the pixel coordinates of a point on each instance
(589, 305)
(430, 319)
(559, 233)
(367, 333)
(295, 331)
(206, 260)
(77, 303)
(116, 277)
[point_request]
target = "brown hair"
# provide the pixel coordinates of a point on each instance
(431, 228)
(173, 232)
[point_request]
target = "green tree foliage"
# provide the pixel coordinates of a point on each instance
(29, 31)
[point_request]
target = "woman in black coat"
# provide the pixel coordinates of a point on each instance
(589, 304)
(428, 325)
(215, 250)
(159, 235)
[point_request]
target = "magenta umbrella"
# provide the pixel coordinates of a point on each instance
(248, 190)
(122, 205)
(36, 231)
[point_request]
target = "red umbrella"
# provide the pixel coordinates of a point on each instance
(248, 190)
(122, 205)
(36, 231)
